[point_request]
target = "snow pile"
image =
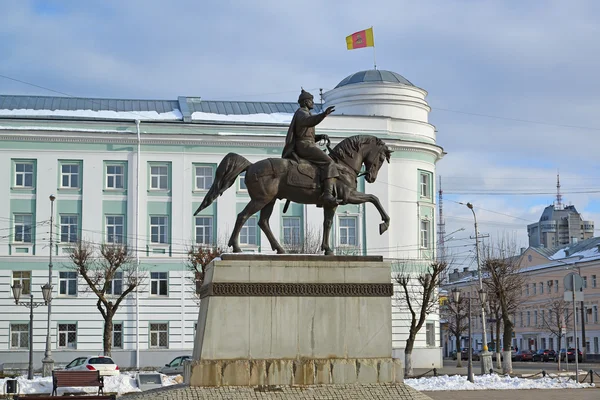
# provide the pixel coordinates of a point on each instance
(487, 382)
(273, 118)
(120, 384)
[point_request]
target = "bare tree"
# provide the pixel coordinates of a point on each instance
(558, 316)
(111, 275)
(419, 295)
(456, 318)
(505, 281)
(197, 260)
(309, 244)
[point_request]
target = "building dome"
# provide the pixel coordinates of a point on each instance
(374, 75)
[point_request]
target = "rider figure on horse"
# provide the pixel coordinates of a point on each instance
(301, 142)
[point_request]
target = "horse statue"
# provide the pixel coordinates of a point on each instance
(298, 181)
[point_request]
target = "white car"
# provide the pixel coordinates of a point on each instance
(175, 366)
(105, 365)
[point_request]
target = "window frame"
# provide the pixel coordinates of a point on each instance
(115, 176)
(159, 226)
(114, 226)
(67, 292)
(157, 331)
(114, 335)
(156, 289)
(66, 332)
(242, 187)
(347, 229)
(22, 336)
(23, 280)
(207, 230)
(116, 282)
(288, 235)
(158, 177)
(24, 231)
(69, 225)
(24, 174)
(250, 224)
(425, 234)
(70, 174)
(204, 178)
(430, 334)
(426, 186)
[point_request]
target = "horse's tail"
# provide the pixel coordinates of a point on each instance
(228, 170)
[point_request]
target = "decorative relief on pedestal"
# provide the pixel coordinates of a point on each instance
(297, 289)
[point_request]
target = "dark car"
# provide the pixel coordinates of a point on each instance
(571, 355)
(522, 355)
(544, 355)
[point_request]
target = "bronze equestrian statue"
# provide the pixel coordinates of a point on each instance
(326, 181)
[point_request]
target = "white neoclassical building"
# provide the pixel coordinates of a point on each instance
(135, 171)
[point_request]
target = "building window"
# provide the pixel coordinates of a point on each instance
(67, 336)
(24, 174)
(114, 229)
(204, 177)
(19, 336)
(158, 229)
(116, 284)
(118, 335)
(248, 232)
(424, 234)
(67, 283)
(159, 177)
(22, 228)
(556, 286)
(528, 318)
(69, 176)
(291, 231)
(596, 345)
(534, 289)
(425, 184)
(347, 231)
(585, 282)
(204, 230)
(159, 336)
(527, 289)
(535, 319)
(68, 229)
(541, 287)
(521, 319)
(595, 312)
(593, 281)
(158, 283)
(242, 181)
(115, 176)
(430, 334)
(24, 278)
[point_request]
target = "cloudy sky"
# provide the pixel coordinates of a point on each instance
(513, 85)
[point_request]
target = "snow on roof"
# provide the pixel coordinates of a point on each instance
(274, 118)
(103, 114)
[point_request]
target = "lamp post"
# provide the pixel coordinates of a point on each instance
(17, 289)
(48, 362)
(486, 357)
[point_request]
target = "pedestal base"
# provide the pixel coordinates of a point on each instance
(486, 362)
(47, 367)
(292, 372)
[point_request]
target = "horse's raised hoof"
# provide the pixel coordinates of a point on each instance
(280, 251)
(237, 249)
(383, 227)
(328, 252)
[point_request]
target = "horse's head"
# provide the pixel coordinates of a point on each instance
(374, 158)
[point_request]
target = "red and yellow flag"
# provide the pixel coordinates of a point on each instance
(360, 39)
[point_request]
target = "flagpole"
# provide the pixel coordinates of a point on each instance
(374, 59)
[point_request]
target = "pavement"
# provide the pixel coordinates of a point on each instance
(529, 394)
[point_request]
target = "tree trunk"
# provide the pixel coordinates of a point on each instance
(458, 353)
(506, 342)
(108, 333)
(408, 369)
(498, 356)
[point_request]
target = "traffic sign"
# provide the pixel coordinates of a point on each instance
(573, 281)
(569, 296)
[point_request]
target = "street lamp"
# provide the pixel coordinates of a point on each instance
(486, 357)
(17, 289)
(48, 362)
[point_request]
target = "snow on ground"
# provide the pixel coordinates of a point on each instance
(120, 384)
(487, 382)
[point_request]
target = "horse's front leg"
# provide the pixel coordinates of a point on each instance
(355, 197)
(328, 213)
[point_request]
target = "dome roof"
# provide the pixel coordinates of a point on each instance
(374, 75)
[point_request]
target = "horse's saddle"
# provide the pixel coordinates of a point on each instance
(303, 174)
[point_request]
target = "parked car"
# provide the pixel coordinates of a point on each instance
(544, 355)
(571, 355)
(522, 355)
(105, 365)
(464, 353)
(175, 367)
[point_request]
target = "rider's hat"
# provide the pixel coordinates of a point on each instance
(304, 95)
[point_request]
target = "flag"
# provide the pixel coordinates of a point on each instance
(360, 39)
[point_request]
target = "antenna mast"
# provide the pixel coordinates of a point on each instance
(441, 223)
(559, 205)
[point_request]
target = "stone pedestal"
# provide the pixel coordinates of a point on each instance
(294, 320)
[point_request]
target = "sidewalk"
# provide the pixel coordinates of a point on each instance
(533, 394)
